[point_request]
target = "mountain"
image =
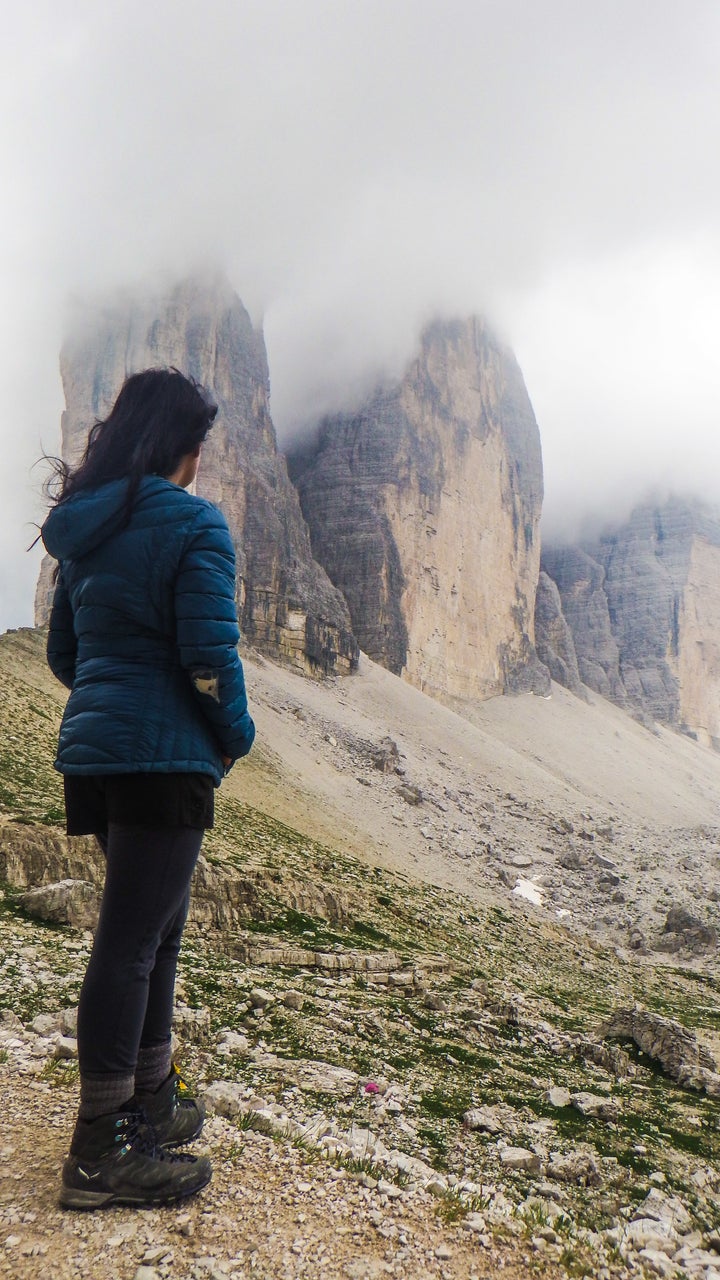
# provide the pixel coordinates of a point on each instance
(424, 507)
(287, 605)
(410, 526)
(642, 605)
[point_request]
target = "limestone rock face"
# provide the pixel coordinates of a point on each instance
(580, 583)
(424, 506)
(643, 605)
(286, 603)
(553, 637)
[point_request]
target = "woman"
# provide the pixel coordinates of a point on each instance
(143, 631)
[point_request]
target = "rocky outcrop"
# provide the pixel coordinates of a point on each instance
(554, 639)
(675, 1048)
(580, 583)
(287, 606)
(643, 605)
(424, 506)
(72, 902)
(32, 854)
(62, 879)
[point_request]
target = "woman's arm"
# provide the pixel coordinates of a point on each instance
(207, 631)
(62, 641)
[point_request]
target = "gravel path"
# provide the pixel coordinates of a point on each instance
(271, 1211)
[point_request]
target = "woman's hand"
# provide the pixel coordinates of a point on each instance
(227, 760)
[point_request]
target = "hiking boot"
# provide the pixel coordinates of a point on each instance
(175, 1116)
(116, 1160)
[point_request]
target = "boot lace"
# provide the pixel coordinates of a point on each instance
(135, 1132)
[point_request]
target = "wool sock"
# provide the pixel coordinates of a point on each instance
(153, 1067)
(102, 1094)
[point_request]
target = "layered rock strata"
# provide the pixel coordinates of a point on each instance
(423, 507)
(287, 605)
(554, 639)
(643, 605)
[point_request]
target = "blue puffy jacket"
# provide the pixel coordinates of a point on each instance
(144, 632)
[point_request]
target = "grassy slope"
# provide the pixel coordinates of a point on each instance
(475, 1051)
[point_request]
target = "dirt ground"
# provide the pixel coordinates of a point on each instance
(270, 1213)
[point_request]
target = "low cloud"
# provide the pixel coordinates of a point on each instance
(357, 168)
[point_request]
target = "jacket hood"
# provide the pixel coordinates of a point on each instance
(89, 518)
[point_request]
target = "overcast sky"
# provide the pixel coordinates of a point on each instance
(358, 166)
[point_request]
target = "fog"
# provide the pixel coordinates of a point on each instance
(357, 167)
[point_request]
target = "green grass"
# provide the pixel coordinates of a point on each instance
(303, 894)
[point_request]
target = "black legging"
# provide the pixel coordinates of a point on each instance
(127, 995)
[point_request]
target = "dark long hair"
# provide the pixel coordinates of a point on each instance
(158, 418)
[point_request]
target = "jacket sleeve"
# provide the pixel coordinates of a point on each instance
(207, 631)
(62, 641)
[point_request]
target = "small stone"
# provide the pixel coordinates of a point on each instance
(520, 1159)
(232, 1043)
(475, 1222)
(260, 999)
(293, 1000)
(157, 1253)
(410, 794)
(577, 1167)
(483, 1119)
(212, 1270)
(648, 1233)
(548, 1235)
(224, 1098)
(68, 1022)
(558, 1097)
(435, 1002)
(596, 1106)
(664, 1209)
(44, 1024)
(444, 1253)
(521, 860)
(386, 756)
(437, 1185)
(146, 1273)
(64, 1048)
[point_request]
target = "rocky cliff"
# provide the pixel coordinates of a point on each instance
(286, 603)
(643, 605)
(554, 641)
(424, 507)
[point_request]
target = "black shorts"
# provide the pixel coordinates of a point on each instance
(138, 800)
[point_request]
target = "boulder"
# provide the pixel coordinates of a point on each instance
(684, 930)
(71, 902)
